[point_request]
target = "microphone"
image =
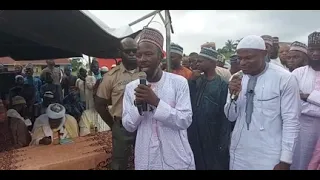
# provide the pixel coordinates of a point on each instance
(142, 106)
(235, 95)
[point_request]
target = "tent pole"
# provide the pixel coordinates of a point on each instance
(144, 17)
(168, 39)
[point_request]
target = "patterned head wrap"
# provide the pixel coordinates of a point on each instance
(209, 53)
(176, 48)
(314, 40)
(267, 39)
(299, 46)
(152, 36)
(18, 100)
(56, 111)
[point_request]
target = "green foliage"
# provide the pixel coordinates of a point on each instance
(229, 48)
(76, 63)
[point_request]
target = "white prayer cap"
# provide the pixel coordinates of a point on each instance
(104, 69)
(252, 42)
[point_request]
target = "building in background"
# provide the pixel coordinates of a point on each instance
(38, 64)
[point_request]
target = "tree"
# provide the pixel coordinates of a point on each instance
(229, 46)
(76, 63)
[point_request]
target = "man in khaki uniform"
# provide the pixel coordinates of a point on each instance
(111, 91)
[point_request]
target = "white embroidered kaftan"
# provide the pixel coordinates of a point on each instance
(274, 125)
(309, 83)
(162, 142)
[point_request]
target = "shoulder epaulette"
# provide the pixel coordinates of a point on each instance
(112, 71)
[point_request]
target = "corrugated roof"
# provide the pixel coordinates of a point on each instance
(10, 61)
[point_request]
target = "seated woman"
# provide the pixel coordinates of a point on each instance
(55, 120)
(13, 131)
(91, 120)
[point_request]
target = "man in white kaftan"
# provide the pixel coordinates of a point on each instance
(55, 120)
(309, 81)
(264, 137)
(162, 141)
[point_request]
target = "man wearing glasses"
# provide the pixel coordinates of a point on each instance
(110, 92)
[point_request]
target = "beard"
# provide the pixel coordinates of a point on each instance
(314, 63)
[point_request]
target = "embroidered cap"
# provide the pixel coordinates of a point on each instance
(268, 39)
(176, 48)
(299, 46)
(314, 39)
(209, 53)
(152, 36)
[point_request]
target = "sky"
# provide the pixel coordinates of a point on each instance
(192, 28)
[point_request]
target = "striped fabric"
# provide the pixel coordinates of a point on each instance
(176, 48)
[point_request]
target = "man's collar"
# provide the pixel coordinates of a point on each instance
(123, 69)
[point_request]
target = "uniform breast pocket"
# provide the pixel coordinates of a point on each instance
(118, 89)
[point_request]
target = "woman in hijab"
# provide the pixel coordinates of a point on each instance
(54, 121)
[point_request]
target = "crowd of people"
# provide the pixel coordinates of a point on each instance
(259, 113)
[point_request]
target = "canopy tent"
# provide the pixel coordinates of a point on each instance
(51, 34)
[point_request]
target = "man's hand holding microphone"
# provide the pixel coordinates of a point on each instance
(145, 95)
(235, 85)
